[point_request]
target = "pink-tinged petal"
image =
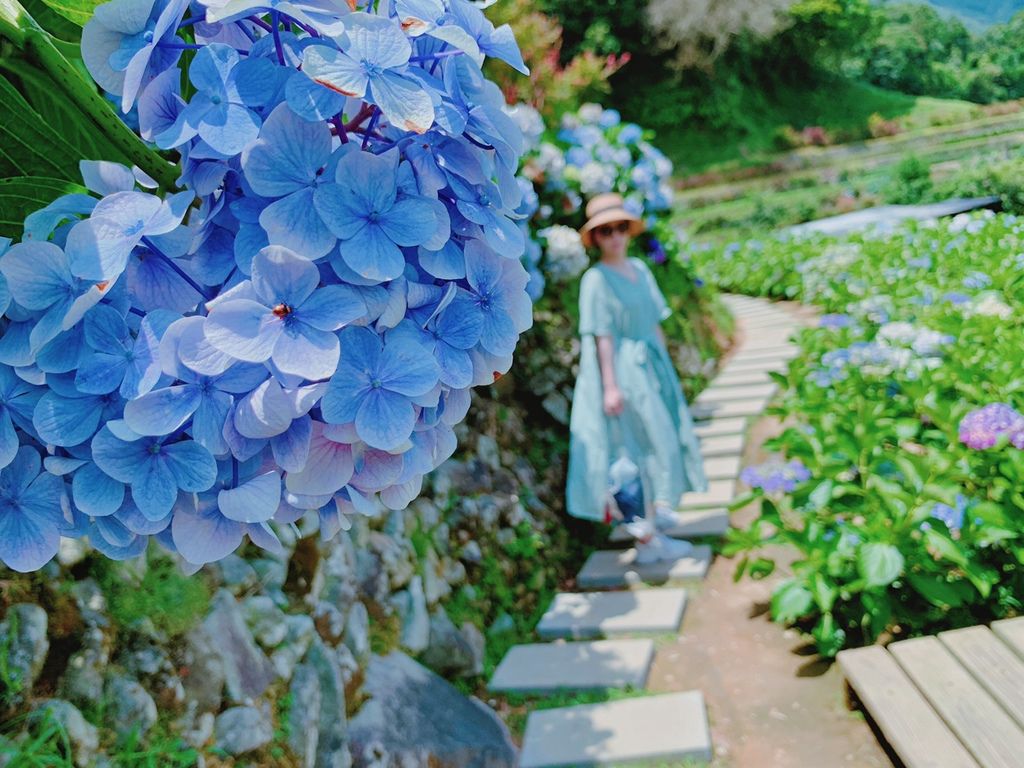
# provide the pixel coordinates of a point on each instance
(335, 70)
(328, 468)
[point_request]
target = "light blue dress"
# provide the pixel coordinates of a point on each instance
(655, 429)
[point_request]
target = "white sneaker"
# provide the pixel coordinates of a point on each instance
(661, 547)
(667, 519)
(640, 529)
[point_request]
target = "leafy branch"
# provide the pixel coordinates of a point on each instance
(37, 48)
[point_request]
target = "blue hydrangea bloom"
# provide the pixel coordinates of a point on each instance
(281, 316)
(377, 385)
(30, 513)
(363, 209)
(154, 469)
(294, 333)
(372, 67)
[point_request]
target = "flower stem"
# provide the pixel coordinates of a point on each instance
(275, 23)
(177, 269)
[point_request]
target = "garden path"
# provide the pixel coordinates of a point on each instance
(631, 639)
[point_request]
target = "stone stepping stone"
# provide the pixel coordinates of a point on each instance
(722, 468)
(723, 445)
(719, 493)
(610, 568)
(755, 366)
(582, 615)
(699, 522)
(717, 394)
(741, 379)
(704, 410)
(597, 664)
(720, 427)
(765, 352)
(665, 729)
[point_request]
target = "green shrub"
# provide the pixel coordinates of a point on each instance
(911, 181)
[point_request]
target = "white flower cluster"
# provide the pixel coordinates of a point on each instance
(565, 256)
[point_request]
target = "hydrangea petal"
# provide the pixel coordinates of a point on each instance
(255, 501)
(385, 419)
(95, 492)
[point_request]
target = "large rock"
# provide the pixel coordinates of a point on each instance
(304, 715)
(357, 632)
(131, 708)
(24, 633)
(411, 605)
(332, 740)
(266, 621)
(82, 736)
(449, 652)
(83, 679)
(416, 719)
(204, 672)
(300, 633)
(247, 670)
(243, 729)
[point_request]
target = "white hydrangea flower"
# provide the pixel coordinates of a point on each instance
(566, 258)
(990, 304)
(595, 178)
(529, 121)
(590, 112)
(550, 160)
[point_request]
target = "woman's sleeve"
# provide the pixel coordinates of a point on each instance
(595, 314)
(660, 305)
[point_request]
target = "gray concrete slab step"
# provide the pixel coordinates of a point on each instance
(579, 666)
(723, 445)
(611, 568)
(613, 614)
(720, 493)
(698, 523)
(665, 729)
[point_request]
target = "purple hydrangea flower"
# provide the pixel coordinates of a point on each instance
(984, 427)
(776, 476)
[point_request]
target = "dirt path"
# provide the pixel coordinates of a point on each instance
(771, 702)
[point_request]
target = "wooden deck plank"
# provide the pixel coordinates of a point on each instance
(1011, 632)
(976, 718)
(992, 663)
(910, 725)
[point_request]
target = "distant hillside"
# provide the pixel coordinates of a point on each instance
(978, 14)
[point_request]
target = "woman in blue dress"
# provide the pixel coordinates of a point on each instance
(627, 399)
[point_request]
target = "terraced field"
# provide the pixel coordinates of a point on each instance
(818, 181)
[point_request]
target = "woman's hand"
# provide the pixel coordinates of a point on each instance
(614, 403)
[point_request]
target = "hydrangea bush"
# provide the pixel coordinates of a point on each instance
(296, 329)
(905, 407)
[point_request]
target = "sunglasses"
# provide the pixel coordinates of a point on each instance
(605, 230)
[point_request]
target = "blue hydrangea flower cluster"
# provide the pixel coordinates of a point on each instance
(952, 516)
(775, 476)
(991, 425)
(596, 152)
(297, 331)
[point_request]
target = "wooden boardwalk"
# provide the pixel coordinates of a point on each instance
(955, 700)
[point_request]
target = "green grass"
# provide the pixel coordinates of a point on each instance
(173, 601)
(842, 108)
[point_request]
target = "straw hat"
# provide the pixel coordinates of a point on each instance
(607, 208)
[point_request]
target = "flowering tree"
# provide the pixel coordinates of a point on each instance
(290, 320)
